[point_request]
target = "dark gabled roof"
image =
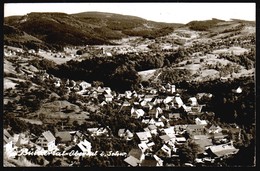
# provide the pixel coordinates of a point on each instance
(65, 136)
(136, 153)
(149, 163)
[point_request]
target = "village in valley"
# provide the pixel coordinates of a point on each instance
(159, 120)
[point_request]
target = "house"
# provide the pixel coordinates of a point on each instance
(154, 161)
(152, 121)
(203, 143)
(108, 97)
(128, 94)
(153, 113)
(64, 136)
(137, 113)
(200, 122)
(164, 151)
(178, 101)
(150, 144)
(162, 89)
(149, 98)
(21, 140)
(170, 88)
(102, 131)
(84, 85)
(159, 124)
(174, 116)
(169, 131)
(223, 150)
(143, 146)
(163, 119)
(146, 121)
(98, 131)
(192, 110)
(125, 133)
(213, 129)
(153, 91)
(167, 138)
(126, 104)
(192, 101)
(135, 157)
(47, 141)
(85, 146)
(235, 133)
(168, 99)
(82, 147)
(238, 90)
(103, 103)
(144, 136)
(159, 160)
(153, 129)
(8, 144)
(195, 130)
(107, 90)
(180, 140)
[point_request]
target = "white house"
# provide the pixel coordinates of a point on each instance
(193, 101)
(84, 85)
(200, 122)
(8, 144)
(169, 131)
(47, 141)
(137, 113)
(144, 136)
(108, 97)
(85, 146)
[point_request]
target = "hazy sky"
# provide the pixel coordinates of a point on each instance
(163, 12)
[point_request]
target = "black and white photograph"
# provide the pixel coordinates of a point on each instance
(129, 84)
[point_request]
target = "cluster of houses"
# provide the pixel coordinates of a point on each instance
(157, 112)
(212, 143)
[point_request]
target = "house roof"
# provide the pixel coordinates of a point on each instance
(165, 138)
(147, 129)
(203, 143)
(121, 131)
(7, 136)
(222, 150)
(180, 139)
(92, 129)
(152, 127)
(193, 101)
(49, 136)
(200, 122)
(131, 161)
(64, 135)
(194, 126)
(143, 136)
(174, 115)
(149, 163)
(136, 153)
(84, 145)
(129, 134)
(108, 96)
(140, 111)
(169, 130)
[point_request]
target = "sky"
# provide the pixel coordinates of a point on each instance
(161, 12)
